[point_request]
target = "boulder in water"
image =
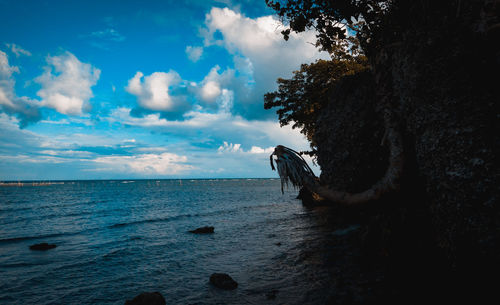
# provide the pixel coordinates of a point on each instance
(203, 230)
(147, 298)
(223, 281)
(271, 295)
(42, 247)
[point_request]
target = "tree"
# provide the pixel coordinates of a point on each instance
(332, 19)
(300, 99)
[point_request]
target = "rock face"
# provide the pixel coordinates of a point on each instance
(447, 103)
(42, 247)
(147, 298)
(223, 281)
(203, 230)
(349, 133)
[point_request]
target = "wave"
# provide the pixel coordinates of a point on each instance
(176, 217)
(50, 206)
(23, 264)
(22, 238)
(59, 215)
(151, 220)
(136, 222)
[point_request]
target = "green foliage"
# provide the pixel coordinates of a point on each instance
(331, 18)
(300, 99)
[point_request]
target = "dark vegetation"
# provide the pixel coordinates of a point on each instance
(428, 70)
(301, 99)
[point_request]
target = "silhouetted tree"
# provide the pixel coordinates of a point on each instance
(344, 27)
(300, 99)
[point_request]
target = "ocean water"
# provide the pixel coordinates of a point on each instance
(116, 239)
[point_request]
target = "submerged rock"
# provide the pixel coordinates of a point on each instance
(271, 295)
(223, 281)
(42, 247)
(147, 298)
(203, 230)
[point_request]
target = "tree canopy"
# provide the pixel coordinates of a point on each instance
(300, 99)
(332, 19)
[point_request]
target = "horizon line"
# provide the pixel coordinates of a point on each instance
(129, 179)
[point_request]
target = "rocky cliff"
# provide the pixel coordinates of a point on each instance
(444, 76)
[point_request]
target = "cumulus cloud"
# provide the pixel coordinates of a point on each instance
(160, 91)
(225, 147)
(216, 128)
(260, 54)
(17, 50)
(214, 84)
(236, 148)
(259, 150)
(210, 91)
(24, 108)
(66, 84)
(194, 53)
(27, 155)
(6, 70)
(146, 164)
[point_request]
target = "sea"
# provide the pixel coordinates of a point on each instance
(118, 238)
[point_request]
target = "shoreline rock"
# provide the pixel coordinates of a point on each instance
(42, 247)
(223, 281)
(203, 230)
(147, 298)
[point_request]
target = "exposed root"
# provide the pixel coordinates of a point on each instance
(293, 168)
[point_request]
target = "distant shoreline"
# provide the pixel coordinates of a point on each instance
(52, 182)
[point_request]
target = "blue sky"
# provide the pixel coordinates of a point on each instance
(142, 89)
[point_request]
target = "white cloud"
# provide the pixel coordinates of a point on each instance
(67, 153)
(241, 32)
(24, 108)
(236, 148)
(108, 34)
(194, 53)
(193, 119)
(66, 84)
(6, 82)
(260, 55)
(146, 164)
(225, 101)
(259, 150)
(213, 85)
(210, 91)
(6, 70)
(17, 50)
(225, 147)
(21, 158)
(157, 91)
(59, 122)
(218, 127)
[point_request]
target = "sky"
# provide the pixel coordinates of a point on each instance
(142, 89)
